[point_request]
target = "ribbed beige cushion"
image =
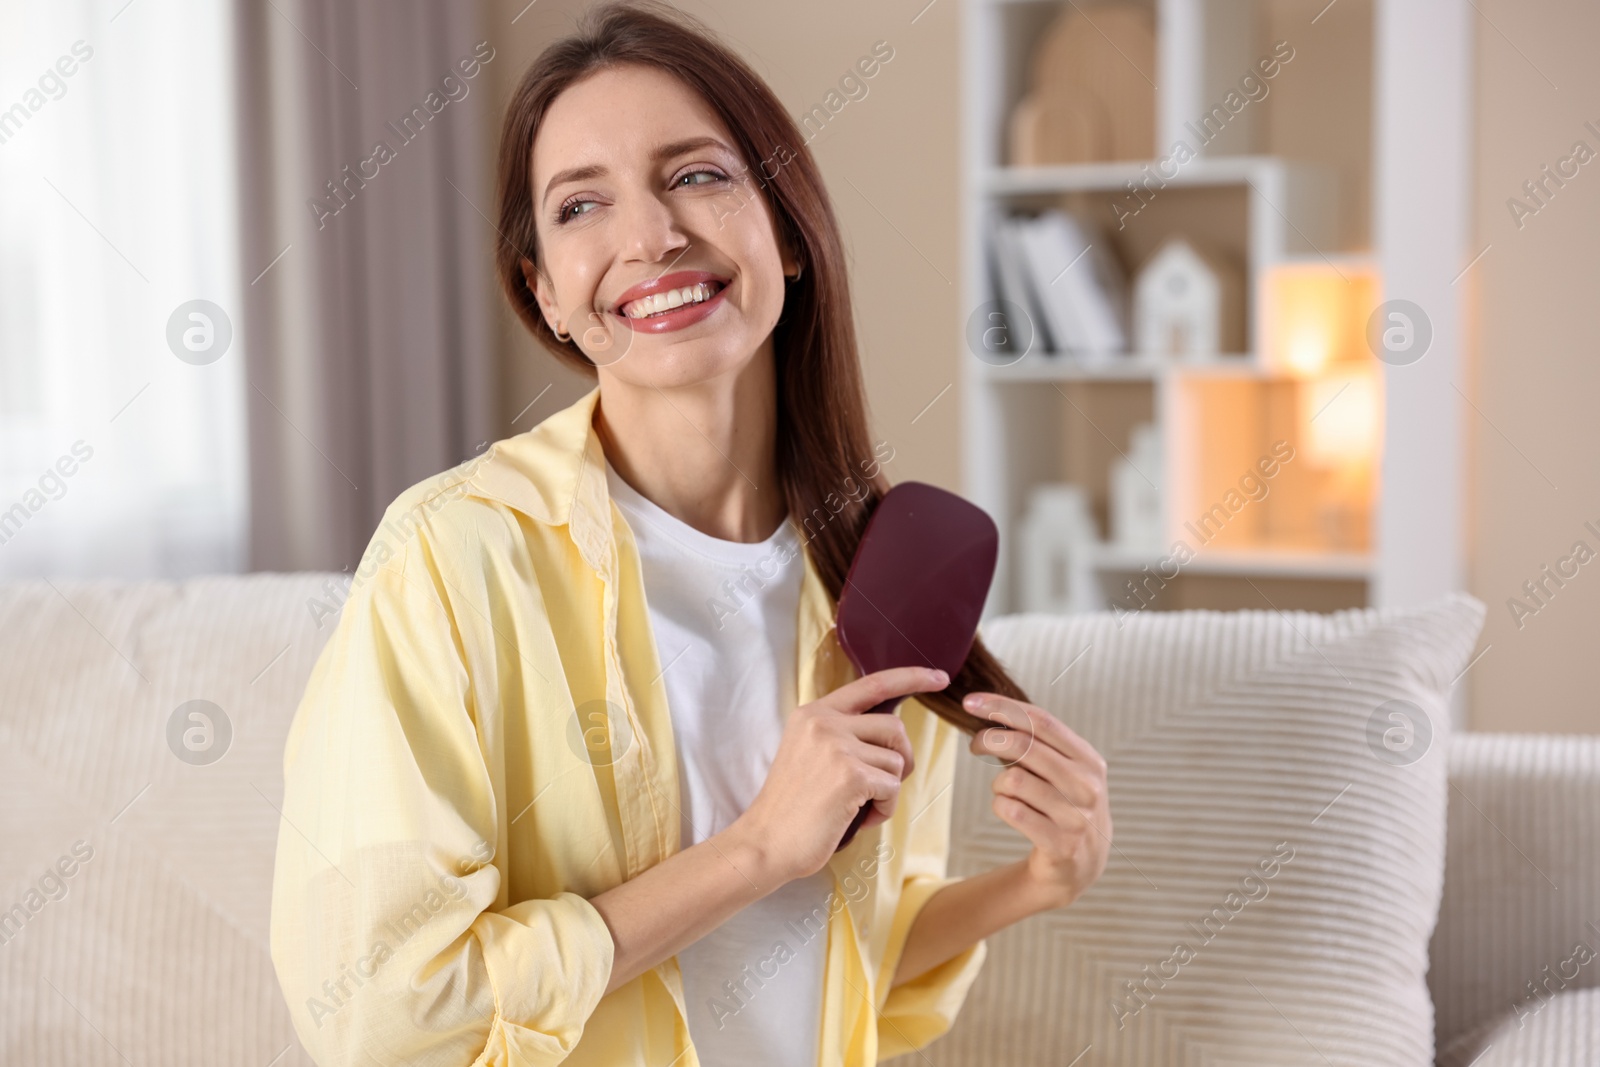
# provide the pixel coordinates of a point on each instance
(1563, 1031)
(1227, 735)
(1519, 924)
(157, 952)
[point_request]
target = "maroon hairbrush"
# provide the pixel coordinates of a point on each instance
(916, 588)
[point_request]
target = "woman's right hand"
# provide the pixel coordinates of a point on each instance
(832, 759)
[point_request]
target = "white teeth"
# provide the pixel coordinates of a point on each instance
(659, 302)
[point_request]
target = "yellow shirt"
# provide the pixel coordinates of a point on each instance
(484, 744)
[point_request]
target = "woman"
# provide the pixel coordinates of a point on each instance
(567, 782)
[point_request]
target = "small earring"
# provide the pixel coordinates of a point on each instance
(562, 337)
(796, 275)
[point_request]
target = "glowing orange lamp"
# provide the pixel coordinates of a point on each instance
(1313, 314)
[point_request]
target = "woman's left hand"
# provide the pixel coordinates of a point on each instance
(1052, 790)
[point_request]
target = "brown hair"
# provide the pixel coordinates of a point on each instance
(821, 405)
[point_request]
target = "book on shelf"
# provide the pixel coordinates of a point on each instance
(1014, 284)
(1064, 274)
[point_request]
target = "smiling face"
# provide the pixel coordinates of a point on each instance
(658, 251)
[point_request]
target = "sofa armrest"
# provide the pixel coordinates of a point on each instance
(1564, 1033)
(1519, 921)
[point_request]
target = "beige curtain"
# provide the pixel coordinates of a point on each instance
(365, 134)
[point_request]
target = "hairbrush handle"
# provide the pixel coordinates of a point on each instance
(885, 708)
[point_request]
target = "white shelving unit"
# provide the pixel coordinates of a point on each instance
(1273, 563)
(1013, 411)
(1130, 367)
(1287, 210)
(1290, 207)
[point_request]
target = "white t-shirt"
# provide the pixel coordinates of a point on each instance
(724, 618)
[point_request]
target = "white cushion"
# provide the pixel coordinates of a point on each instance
(1233, 740)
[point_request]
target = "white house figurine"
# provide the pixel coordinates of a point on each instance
(1186, 303)
(1136, 494)
(1059, 542)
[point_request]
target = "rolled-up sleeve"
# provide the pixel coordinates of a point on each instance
(389, 933)
(914, 1013)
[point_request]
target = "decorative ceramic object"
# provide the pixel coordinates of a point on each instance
(1187, 303)
(1091, 89)
(1136, 494)
(1058, 543)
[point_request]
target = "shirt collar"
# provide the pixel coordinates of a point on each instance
(555, 473)
(550, 472)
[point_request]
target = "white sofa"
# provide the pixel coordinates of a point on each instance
(135, 872)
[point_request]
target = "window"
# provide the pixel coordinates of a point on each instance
(122, 401)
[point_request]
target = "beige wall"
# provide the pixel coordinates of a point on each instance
(1535, 465)
(891, 164)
